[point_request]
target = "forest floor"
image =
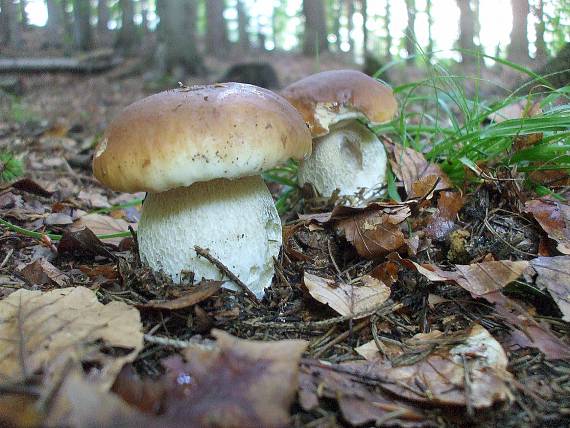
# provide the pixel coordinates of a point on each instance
(447, 309)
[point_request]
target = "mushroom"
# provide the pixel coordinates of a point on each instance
(198, 152)
(346, 155)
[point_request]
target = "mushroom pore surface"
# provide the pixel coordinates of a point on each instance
(236, 220)
(349, 158)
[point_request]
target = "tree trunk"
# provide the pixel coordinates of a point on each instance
(364, 11)
(518, 48)
(127, 36)
(190, 22)
(11, 32)
(315, 36)
(67, 22)
(430, 28)
(144, 15)
(387, 19)
(336, 24)
(556, 70)
(216, 34)
(243, 21)
(411, 28)
(54, 24)
(174, 32)
(541, 53)
(83, 38)
(350, 24)
(102, 18)
(466, 31)
(24, 21)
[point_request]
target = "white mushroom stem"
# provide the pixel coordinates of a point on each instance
(349, 158)
(235, 220)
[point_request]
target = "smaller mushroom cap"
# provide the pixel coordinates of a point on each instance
(192, 134)
(327, 98)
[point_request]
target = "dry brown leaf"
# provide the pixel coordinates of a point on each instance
(527, 332)
(374, 233)
(93, 199)
(101, 224)
(553, 273)
(82, 241)
(443, 372)
(194, 295)
(348, 299)
(411, 166)
(442, 222)
(359, 403)
(37, 328)
(237, 383)
(554, 218)
(41, 272)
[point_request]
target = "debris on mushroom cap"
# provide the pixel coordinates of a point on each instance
(326, 98)
(182, 136)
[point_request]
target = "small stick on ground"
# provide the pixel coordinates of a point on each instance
(206, 254)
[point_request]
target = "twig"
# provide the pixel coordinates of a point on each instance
(206, 254)
(180, 344)
(10, 252)
(341, 337)
(316, 325)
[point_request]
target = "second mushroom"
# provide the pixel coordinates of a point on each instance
(346, 155)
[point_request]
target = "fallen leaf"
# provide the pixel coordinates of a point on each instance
(82, 241)
(232, 383)
(30, 186)
(103, 225)
(442, 222)
(194, 295)
(411, 166)
(386, 272)
(348, 299)
(553, 273)
(374, 233)
(36, 328)
(41, 272)
(439, 379)
(359, 403)
(527, 332)
(554, 218)
(93, 199)
(58, 219)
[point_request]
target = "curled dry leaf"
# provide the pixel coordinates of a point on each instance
(442, 221)
(374, 233)
(38, 328)
(411, 166)
(527, 332)
(82, 241)
(359, 403)
(553, 273)
(348, 299)
(41, 272)
(477, 356)
(554, 218)
(190, 297)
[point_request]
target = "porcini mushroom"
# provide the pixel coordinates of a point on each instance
(346, 154)
(198, 152)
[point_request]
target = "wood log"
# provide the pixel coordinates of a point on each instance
(98, 60)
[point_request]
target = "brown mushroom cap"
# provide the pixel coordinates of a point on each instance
(179, 137)
(326, 98)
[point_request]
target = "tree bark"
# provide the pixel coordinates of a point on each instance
(243, 21)
(411, 28)
(364, 11)
(541, 52)
(54, 24)
(518, 48)
(216, 34)
(127, 36)
(466, 31)
(24, 21)
(387, 20)
(11, 33)
(83, 37)
(174, 31)
(315, 35)
(102, 18)
(144, 15)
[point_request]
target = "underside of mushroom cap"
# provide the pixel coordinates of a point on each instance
(326, 98)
